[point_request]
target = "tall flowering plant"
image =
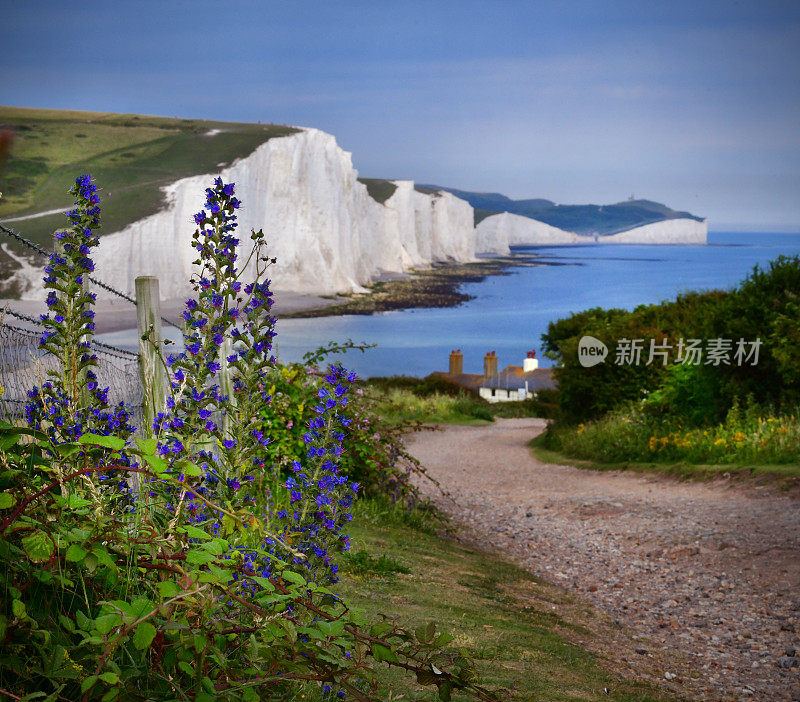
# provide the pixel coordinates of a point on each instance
(214, 437)
(72, 403)
(205, 432)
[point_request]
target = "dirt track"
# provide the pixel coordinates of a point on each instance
(711, 570)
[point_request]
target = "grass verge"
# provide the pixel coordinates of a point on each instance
(783, 476)
(527, 637)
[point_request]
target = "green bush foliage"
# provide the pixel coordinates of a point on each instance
(764, 306)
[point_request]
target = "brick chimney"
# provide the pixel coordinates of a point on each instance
(490, 365)
(531, 363)
(456, 362)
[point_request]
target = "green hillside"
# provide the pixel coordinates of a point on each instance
(131, 157)
(581, 219)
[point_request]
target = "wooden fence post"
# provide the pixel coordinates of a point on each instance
(151, 363)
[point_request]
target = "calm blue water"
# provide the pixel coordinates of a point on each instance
(510, 312)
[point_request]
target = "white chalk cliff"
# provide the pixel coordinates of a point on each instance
(328, 234)
(325, 230)
(496, 233)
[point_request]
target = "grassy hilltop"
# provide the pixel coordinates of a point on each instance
(581, 219)
(131, 156)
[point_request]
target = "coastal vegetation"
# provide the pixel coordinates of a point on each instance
(737, 406)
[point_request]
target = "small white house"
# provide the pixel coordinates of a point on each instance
(514, 383)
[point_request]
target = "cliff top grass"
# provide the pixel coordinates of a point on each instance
(379, 189)
(131, 156)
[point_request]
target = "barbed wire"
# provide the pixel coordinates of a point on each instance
(113, 350)
(44, 252)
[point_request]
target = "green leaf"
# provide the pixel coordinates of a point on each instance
(145, 633)
(147, 446)
(67, 450)
(90, 563)
(168, 589)
(75, 553)
(3, 626)
(18, 609)
(104, 557)
(223, 574)
(7, 440)
(334, 628)
(76, 501)
(88, 683)
(67, 623)
(141, 606)
(216, 547)
(7, 500)
(158, 464)
(430, 632)
(112, 442)
(293, 577)
(82, 620)
(106, 622)
(199, 557)
(383, 653)
(189, 469)
(194, 532)
(380, 629)
(38, 546)
(110, 678)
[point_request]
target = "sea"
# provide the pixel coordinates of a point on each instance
(509, 313)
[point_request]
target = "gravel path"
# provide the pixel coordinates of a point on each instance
(708, 569)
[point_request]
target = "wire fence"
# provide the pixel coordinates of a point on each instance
(23, 364)
(33, 246)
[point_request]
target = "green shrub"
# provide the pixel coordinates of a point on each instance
(764, 306)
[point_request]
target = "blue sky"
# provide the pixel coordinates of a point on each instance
(696, 104)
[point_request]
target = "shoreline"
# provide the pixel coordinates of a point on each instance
(422, 288)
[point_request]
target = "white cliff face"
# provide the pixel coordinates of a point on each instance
(497, 233)
(327, 233)
(668, 231)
